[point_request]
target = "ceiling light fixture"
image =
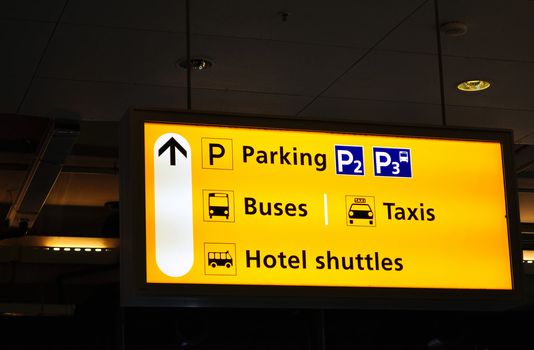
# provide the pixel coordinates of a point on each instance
(196, 63)
(473, 85)
(455, 28)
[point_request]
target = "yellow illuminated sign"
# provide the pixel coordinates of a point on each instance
(245, 206)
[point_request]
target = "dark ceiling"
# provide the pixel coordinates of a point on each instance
(356, 60)
(87, 62)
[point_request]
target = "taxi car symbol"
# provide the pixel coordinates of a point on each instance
(360, 211)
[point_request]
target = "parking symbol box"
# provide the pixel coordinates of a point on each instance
(217, 154)
(392, 162)
(349, 160)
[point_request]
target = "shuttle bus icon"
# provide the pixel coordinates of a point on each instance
(218, 205)
(403, 156)
(220, 259)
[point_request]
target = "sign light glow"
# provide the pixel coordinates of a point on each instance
(252, 206)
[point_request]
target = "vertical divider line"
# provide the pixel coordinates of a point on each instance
(325, 197)
(188, 50)
(440, 65)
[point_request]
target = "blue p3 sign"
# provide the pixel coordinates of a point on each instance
(392, 162)
(349, 160)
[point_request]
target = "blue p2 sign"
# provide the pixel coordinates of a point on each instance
(349, 160)
(392, 162)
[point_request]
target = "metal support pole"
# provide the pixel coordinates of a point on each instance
(188, 51)
(440, 65)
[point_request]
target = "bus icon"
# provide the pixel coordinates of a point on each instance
(403, 157)
(220, 259)
(216, 259)
(218, 205)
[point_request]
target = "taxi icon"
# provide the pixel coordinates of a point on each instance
(360, 212)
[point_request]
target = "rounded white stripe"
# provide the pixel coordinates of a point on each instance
(173, 198)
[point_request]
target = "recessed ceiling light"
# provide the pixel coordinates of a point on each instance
(456, 28)
(473, 85)
(196, 63)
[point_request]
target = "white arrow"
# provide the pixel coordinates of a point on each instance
(173, 195)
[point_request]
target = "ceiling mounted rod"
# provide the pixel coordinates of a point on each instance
(188, 51)
(440, 64)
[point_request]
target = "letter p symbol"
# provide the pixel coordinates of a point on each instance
(216, 151)
(349, 160)
(217, 154)
(344, 157)
(382, 160)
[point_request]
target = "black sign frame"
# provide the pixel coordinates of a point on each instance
(135, 291)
